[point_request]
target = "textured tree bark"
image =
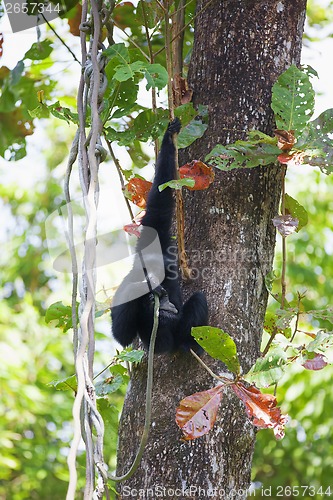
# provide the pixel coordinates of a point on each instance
(240, 49)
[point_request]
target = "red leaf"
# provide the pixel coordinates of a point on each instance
(261, 408)
(199, 172)
(135, 227)
(318, 362)
(292, 160)
(196, 414)
(284, 158)
(137, 191)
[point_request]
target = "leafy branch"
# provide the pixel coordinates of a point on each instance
(297, 140)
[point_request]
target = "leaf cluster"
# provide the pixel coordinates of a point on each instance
(293, 106)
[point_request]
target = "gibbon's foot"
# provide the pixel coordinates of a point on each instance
(165, 304)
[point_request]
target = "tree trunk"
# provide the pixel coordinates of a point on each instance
(240, 49)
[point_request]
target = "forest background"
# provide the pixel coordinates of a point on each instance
(35, 418)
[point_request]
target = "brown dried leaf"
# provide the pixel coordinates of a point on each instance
(123, 13)
(261, 408)
(196, 414)
(137, 191)
(75, 21)
(181, 93)
(202, 174)
(286, 139)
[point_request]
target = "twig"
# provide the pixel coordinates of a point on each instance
(182, 257)
(151, 56)
(284, 245)
(180, 8)
(133, 42)
(160, 5)
(270, 340)
(120, 173)
(225, 380)
(187, 25)
(60, 39)
(299, 298)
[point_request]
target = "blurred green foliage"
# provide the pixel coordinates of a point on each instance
(305, 455)
(319, 14)
(35, 417)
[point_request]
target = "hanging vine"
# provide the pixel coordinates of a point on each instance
(87, 420)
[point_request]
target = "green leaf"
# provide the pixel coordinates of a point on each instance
(271, 327)
(156, 76)
(42, 111)
(126, 71)
(124, 138)
(325, 314)
(139, 158)
(63, 113)
(110, 385)
(7, 101)
(39, 50)
(321, 342)
(124, 98)
(285, 317)
(118, 51)
(243, 154)
(185, 113)
(177, 184)
(118, 370)
(296, 210)
(61, 314)
(270, 278)
(293, 100)
(193, 131)
(130, 355)
(317, 142)
(257, 137)
(219, 345)
(66, 384)
(151, 15)
(149, 125)
(268, 370)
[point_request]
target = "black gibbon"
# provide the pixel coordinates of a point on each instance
(157, 271)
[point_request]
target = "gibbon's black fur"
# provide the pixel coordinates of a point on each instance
(135, 316)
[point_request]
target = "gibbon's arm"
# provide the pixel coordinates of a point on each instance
(160, 205)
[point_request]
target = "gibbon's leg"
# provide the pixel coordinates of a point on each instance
(124, 322)
(195, 313)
